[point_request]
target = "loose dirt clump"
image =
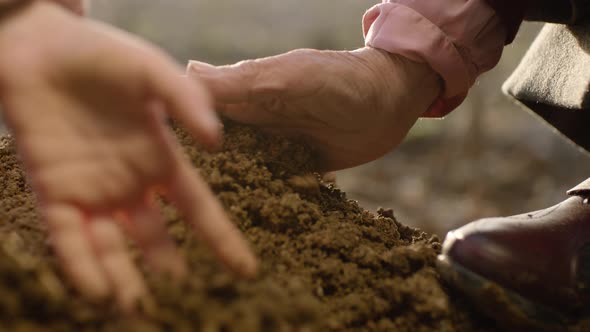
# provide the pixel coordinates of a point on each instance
(326, 264)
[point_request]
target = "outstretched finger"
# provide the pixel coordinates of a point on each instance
(244, 82)
(146, 226)
(112, 254)
(70, 241)
(210, 223)
(186, 100)
(227, 84)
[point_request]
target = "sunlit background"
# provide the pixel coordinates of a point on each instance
(487, 158)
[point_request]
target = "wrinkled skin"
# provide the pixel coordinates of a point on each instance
(352, 106)
(85, 103)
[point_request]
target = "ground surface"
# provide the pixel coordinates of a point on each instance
(327, 264)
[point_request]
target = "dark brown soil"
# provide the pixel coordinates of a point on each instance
(326, 264)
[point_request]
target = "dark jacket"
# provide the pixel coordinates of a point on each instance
(553, 78)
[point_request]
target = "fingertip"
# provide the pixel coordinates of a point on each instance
(197, 67)
(212, 125)
(130, 299)
(189, 101)
(248, 266)
(94, 288)
(169, 262)
(205, 126)
(210, 223)
(199, 117)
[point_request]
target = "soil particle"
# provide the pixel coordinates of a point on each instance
(326, 264)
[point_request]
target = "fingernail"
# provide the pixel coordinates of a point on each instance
(199, 68)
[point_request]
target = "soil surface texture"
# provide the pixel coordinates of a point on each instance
(326, 263)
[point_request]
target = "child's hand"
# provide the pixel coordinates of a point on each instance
(85, 104)
(352, 106)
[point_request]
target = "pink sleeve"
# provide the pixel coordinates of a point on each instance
(459, 39)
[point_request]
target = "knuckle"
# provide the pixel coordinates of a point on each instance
(268, 76)
(269, 88)
(303, 52)
(247, 66)
(63, 221)
(273, 104)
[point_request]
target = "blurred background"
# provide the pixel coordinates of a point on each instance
(488, 158)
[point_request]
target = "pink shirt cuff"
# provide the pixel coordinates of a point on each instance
(459, 39)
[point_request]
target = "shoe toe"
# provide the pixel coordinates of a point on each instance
(483, 267)
(476, 249)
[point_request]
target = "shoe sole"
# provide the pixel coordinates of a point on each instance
(506, 307)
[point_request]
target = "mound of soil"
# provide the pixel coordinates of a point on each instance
(326, 264)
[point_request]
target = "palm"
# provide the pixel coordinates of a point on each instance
(94, 168)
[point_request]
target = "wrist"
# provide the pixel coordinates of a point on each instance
(417, 77)
(408, 85)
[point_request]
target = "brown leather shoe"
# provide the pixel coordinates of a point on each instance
(529, 270)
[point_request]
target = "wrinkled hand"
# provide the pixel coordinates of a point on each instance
(353, 107)
(85, 104)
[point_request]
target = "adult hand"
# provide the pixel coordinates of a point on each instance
(353, 107)
(85, 104)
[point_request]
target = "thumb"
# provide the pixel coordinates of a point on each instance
(187, 101)
(228, 84)
(244, 82)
